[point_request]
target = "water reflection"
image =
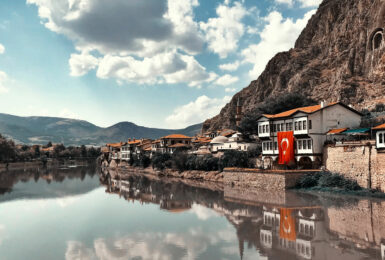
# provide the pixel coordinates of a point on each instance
(282, 225)
(63, 214)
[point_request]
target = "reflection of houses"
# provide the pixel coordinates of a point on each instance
(175, 206)
(309, 125)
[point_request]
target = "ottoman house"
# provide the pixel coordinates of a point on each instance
(308, 126)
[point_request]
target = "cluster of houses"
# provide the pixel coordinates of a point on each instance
(208, 143)
(312, 127)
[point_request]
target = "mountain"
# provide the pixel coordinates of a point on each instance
(339, 56)
(40, 130)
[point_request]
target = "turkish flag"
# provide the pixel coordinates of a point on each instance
(287, 225)
(285, 147)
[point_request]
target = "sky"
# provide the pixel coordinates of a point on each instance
(156, 63)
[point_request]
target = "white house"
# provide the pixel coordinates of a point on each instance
(309, 125)
(380, 136)
(235, 142)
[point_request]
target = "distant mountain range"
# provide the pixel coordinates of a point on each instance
(40, 130)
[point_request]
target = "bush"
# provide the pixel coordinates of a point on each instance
(324, 180)
(161, 161)
(233, 158)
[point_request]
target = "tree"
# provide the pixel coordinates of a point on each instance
(83, 151)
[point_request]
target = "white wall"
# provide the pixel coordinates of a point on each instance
(378, 144)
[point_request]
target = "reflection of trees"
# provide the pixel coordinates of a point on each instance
(11, 178)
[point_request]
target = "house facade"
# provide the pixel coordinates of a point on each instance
(234, 142)
(380, 136)
(309, 125)
(168, 144)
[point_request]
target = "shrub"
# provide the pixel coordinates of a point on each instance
(324, 180)
(161, 161)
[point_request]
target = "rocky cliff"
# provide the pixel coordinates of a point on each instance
(340, 55)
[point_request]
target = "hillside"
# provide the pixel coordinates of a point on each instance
(338, 56)
(40, 130)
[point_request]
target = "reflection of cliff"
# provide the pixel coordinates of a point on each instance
(314, 228)
(42, 183)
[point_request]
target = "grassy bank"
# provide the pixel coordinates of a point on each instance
(335, 183)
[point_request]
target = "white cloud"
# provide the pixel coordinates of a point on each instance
(3, 82)
(134, 38)
(202, 212)
(2, 49)
(230, 66)
(287, 2)
(2, 232)
(80, 64)
(224, 32)
(310, 3)
(66, 113)
(169, 67)
(226, 80)
(196, 111)
(229, 90)
(278, 35)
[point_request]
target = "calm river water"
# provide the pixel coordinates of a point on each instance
(70, 214)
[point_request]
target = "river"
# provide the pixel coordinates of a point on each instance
(71, 214)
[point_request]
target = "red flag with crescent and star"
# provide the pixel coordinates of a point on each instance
(287, 225)
(285, 147)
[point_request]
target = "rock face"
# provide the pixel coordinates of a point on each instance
(339, 56)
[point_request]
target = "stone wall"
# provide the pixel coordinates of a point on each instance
(257, 179)
(361, 224)
(361, 162)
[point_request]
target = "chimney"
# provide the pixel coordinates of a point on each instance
(129, 139)
(322, 104)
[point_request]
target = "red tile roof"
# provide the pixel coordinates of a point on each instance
(307, 110)
(116, 145)
(178, 145)
(176, 136)
(379, 127)
(336, 131)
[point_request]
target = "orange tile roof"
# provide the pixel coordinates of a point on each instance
(379, 127)
(178, 145)
(134, 142)
(176, 136)
(307, 110)
(116, 145)
(336, 131)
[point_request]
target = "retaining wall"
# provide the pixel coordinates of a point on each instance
(363, 163)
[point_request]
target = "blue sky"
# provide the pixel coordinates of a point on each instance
(157, 63)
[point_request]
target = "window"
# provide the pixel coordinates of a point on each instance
(304, 125)
(271, 146)
(260, 129)
(381, 140)
(287, 127)
(299, 125)
(304, 144)
(275, 145)
(299, 144)
(282, 127)
(296, 126)
(310, 125)
(309, 146)
(274, 128)
(278, 128)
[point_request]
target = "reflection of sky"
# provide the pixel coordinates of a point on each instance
(97, 225)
